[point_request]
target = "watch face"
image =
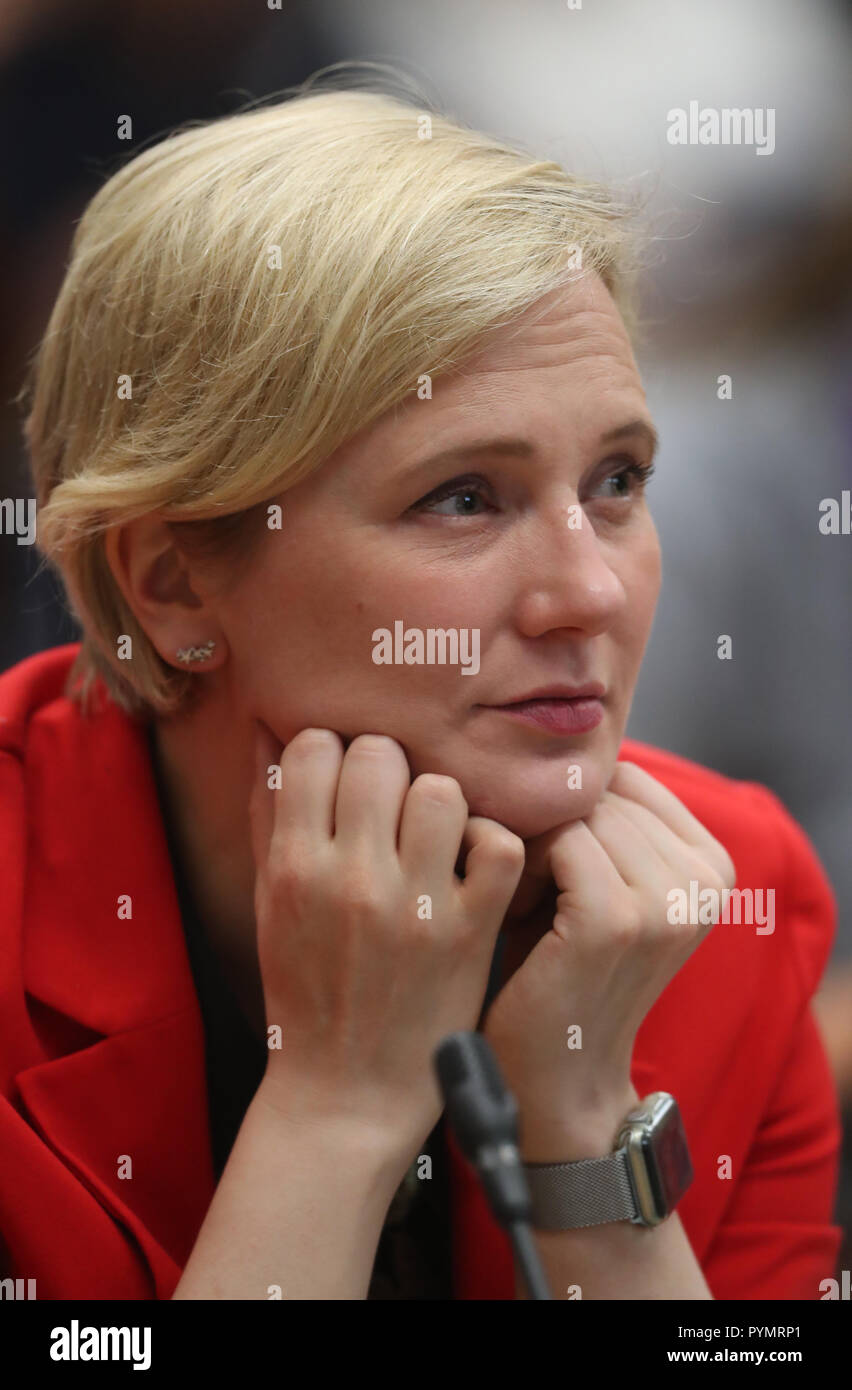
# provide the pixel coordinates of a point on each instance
(665, 1169)
(673, 1166)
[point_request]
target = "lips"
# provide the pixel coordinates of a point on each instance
(591, 690)
(557, 708)
(560, 716)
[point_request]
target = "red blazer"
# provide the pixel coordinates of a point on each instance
(101, 1040)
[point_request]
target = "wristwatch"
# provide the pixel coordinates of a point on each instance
(641, 1181)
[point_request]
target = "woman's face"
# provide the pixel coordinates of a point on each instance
(541, 541)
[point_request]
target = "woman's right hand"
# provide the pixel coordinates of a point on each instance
(363, 984)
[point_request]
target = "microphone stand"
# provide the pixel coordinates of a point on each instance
(484, 1118)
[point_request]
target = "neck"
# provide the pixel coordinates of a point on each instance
(206, 772)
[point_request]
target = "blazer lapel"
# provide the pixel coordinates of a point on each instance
(128, 1116)
(104, 951)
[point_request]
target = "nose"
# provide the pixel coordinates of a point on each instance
(564, 579)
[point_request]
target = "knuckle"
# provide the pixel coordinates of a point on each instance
(288, 882)
(712, 876)
(310, 740)
(360, 887)
(628, 924)
(718, 883)
(373, 744)
(717, 911)
(437, 787)
(625, 770)
(507, 848)
(727, 868)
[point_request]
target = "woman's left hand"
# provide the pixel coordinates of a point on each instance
(596, 951)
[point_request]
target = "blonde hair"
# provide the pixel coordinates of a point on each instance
(402, 239)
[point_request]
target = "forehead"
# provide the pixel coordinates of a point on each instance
(579, 323)
(565, 364)
(570, 352)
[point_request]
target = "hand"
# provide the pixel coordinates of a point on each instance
(363, 986)
(595, 948)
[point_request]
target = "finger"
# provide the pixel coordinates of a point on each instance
(702, 840)
(539, 862)
(493, 866)
(631, 781)
(374, 781)
(669, 846)
(304, 804)
(432, 827)
(538, 865)
(581, 868)
(629, 849)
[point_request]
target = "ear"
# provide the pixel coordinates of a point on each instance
(166, 599)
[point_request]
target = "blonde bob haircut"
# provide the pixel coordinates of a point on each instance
(247, 294)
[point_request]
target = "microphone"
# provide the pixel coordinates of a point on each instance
(484, 1118)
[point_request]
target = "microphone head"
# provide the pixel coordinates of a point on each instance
(480, 1107)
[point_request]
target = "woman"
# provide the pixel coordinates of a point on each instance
(341, 449)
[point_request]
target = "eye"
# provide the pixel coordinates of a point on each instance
(461, 490)
(633, 476)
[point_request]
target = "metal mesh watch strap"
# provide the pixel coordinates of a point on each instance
(587, 1192)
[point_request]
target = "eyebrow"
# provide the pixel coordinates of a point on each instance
(524, 448)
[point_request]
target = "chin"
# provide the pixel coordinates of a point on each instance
(540, 801)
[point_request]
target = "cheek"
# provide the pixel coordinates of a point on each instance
(283, 624)
(643, 575)
(640, 574)
(305, 619)
(407, 609)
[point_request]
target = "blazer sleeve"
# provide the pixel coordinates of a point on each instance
(777, 1239)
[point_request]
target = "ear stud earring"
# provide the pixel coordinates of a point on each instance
(187, 654)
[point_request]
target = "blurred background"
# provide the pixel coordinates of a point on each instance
(748, 275)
